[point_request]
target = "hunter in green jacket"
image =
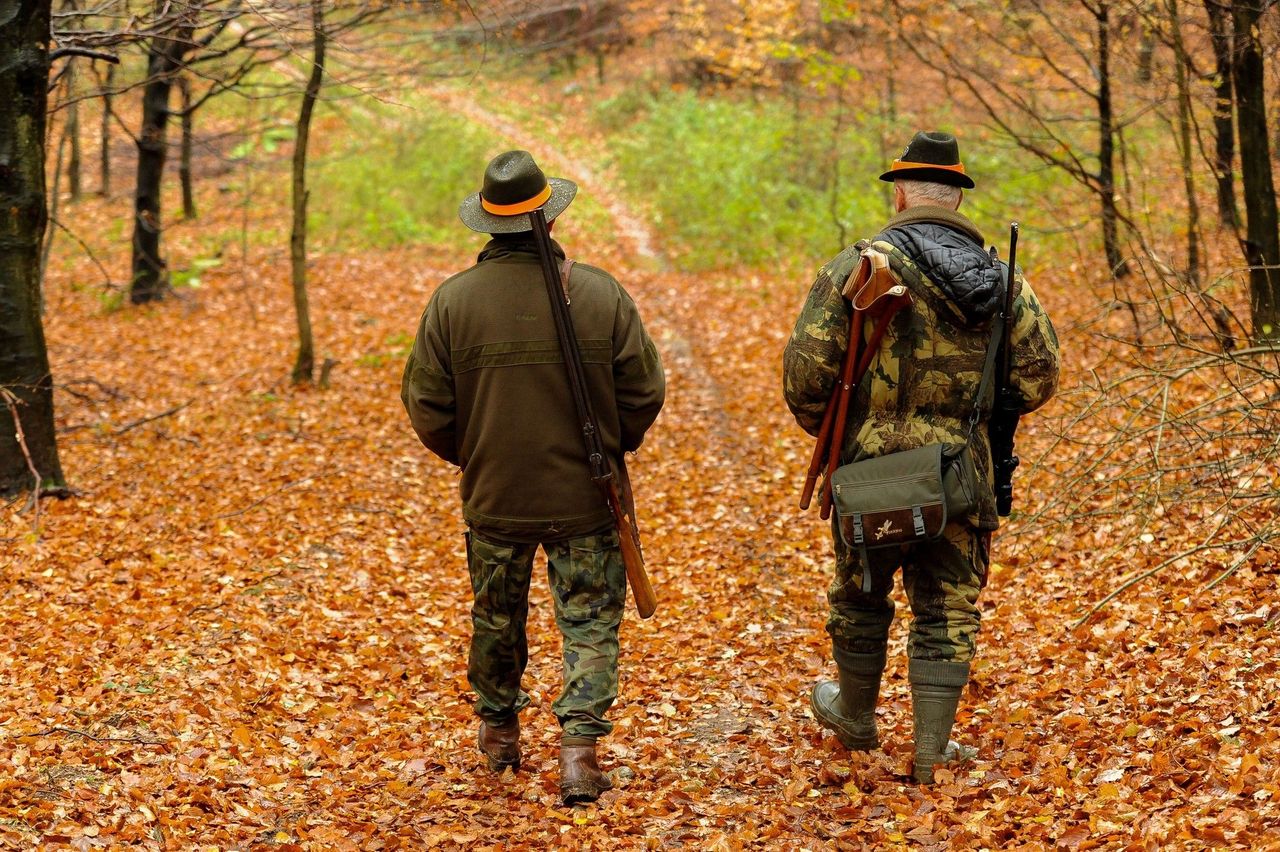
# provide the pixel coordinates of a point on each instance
(486, 389)
(920, 389)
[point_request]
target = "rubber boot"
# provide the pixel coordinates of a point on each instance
(580, 777)
(936, 686)
(848, 707)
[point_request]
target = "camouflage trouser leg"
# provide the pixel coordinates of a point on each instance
(589, 587)
(942, 580)
(499, 648)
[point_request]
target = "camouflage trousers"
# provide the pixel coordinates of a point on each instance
(942, 580)
(588, 587)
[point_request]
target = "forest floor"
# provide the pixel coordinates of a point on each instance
(248, 628)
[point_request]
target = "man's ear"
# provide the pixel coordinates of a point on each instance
(961, 201)
(899, 198)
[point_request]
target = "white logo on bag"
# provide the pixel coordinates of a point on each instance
(887, 528)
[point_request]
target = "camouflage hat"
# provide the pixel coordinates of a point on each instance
(933, 157)
(513, 186)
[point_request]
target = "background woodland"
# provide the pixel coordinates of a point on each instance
(236, 612)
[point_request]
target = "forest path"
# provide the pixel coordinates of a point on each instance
(250, 624)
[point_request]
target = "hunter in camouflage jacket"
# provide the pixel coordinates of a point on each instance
(921, 387)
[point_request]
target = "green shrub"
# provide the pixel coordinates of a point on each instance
(399, 181)
(736, 182)
(733, 181)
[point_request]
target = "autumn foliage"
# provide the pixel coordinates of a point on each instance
(248, 626)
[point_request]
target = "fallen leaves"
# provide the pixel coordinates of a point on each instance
(256, 614)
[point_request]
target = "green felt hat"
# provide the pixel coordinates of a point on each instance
(933, 157)
(513, 186)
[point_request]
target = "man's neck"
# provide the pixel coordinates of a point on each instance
(941, 215)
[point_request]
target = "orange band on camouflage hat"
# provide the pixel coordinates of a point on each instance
(520, 206)
(898, 165)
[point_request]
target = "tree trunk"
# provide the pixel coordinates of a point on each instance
(73, 134)
(104, 134)
(1224, 151)
(164, 58)
(184, 160)
(1262, 234)
(304, 366)
(24, 363)
(1146, 48)
(1107, 145)
(1180, 66)
(51, 214)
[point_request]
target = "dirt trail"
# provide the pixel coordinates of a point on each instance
(634, 229)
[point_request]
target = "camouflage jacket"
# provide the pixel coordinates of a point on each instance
(922, 385)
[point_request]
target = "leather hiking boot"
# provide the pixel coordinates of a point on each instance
(936, 686)
(848, 706)
(501, 744)
(580, 777)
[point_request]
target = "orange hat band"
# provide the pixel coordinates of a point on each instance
(520, 206)
(898, 165)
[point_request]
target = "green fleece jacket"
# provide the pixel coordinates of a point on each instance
(486, 389)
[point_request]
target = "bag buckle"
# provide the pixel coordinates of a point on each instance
(917, 518)
(857, 530)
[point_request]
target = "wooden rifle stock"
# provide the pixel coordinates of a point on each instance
(846, 399)
(840, 402)
(871, 291)
(632, 557)
(819, 459)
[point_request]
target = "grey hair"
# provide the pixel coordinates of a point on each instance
(929, 192)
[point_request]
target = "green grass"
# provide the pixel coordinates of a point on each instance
(751, 182)
(741, 182)
(400, 180)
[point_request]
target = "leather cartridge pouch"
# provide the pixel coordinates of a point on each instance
(904, 497)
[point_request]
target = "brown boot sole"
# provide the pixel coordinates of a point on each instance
(581, 792)
(497, 764)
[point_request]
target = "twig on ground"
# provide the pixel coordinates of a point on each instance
(256, 503)
(107, 283)
(1191, 551)
(1257, 545)
(57, 729)
(12, 402)
(145, 420)
(110, 392)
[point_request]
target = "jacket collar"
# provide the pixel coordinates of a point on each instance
(938, 216)
(516, 247)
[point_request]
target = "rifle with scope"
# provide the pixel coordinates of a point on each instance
(1007, 408)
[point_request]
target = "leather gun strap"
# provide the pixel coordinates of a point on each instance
(566, 267)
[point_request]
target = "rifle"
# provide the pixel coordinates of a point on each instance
(601, 471)
(1007, 410)
(871, 291)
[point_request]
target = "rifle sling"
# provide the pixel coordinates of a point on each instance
(558, 297)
